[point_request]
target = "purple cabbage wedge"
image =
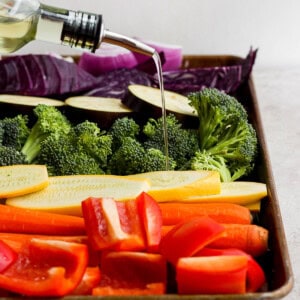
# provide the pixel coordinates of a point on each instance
(43, 75)
(51, 76)
(114, 84)
(225, 78)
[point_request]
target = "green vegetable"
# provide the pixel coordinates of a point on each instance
(182, 143)
(83, 150)
(128, 158)
(155, 160)
(49, 121)
(131, 158)
(10, 156)
(14, 131)
(94, 142)
(227, 140)
(123, 127)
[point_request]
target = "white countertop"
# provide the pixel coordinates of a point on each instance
(278, 93)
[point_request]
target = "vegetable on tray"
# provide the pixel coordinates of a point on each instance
(238, 192)
(49, 122)
(52, 268)
(121, 274)
(114, 84)
(209, 275)
(19, 180)
(107, 58)
(177, 185)
(174, 212)
(102, 110)
(227, 140)
(147, 100)
(43, 75)
(251, 238)
(30, 101)
(133, 225)
(19, 220)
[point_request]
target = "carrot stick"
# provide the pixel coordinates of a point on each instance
(175, 212)
(20, 220)
(252, 239)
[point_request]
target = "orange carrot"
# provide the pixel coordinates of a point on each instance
(252, 239)
(175, 212)
(21, 220)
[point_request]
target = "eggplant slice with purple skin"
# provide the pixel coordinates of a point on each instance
(148, 101)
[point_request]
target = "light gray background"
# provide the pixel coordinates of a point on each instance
(202, 26)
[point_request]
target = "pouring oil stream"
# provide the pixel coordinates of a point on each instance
(134, 45)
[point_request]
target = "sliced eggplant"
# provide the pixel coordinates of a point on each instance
(101, 110)
(148, 101)
(18, 104)
(29, 100)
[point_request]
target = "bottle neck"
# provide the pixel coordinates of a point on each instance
(81, 30)
(73, 28)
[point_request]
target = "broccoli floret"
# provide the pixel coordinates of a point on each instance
(205, 161)
(14, 131)
(155, 160)
(121, 128)
(49, 121)
(95, 143)
(182, 143)
(84, 149)
(63, 156)
(10, 156)
(225, 133)
(131, 158)
(1, 132)
(128, 158)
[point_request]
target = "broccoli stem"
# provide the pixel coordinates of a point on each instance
(32, 145)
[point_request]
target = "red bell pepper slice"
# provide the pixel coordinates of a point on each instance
(89, 281)
(188, 237)
(212, 275)
(131, 224)
(255, 274)
(7, 256)
(128, 272)
(123, 225)
(44, 267)
(113, 225)
(151, 216)
(102, 222)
